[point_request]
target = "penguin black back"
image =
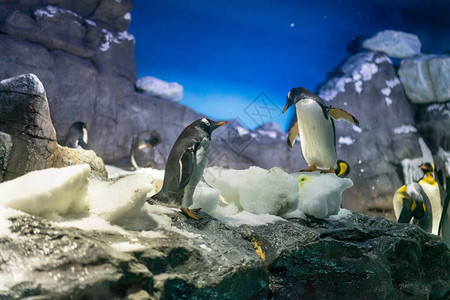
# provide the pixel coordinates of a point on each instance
(76, 136)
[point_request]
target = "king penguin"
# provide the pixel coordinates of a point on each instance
(185, 166)
(77, 136)
(316, 128)
(411, 202)
(431, 188)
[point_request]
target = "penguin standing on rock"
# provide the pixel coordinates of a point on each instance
(77, 136)
(316, 128)
(431, 188)
(185, 166)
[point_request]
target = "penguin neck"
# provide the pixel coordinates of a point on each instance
(429, 179)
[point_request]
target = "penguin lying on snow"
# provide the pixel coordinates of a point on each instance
(185, 166)
(77, 136)
(410, 201)
(143, 149)
(431, 188)
(316, 128)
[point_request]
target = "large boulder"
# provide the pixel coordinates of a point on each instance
(28, 138)
(394, 43)
(425, 78)
(368, 87)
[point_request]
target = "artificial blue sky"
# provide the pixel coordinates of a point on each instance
(225, 52)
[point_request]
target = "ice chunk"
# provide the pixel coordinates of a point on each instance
(205, 198)
(256, 190)
(116, 200)
(171, 91)
(50, 193)
(321, 194)
(245, 217)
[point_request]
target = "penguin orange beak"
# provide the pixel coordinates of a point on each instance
(286, 107)
(221, 123)
(423, 167)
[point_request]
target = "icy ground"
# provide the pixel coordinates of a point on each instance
(255, 196)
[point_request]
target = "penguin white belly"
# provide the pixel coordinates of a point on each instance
(201, 158)
(433, 194)
(316, 135)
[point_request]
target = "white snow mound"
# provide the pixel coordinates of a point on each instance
(256, 190)
(321, 194)
(49, 193)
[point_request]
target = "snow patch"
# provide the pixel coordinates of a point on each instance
(333, 87)
(271, 134)
(356, 129)
(405, 129)
(346, 140)
(90, 22)
(51, 11)
(248, 218)
(242, 131)
(388, 101)
(127, 16)
(128, 247)
(342, 214)
(155, 87)
(382, 59)
(386, 91)
(393, 82)
(110, 38)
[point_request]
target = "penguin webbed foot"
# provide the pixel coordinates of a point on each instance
(190, 212)
(330, 170)
(310, 169)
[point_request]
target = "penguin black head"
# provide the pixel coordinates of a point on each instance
(155, 138)
(208, 125)
(297, 94)
(79, 126)
(427, 168)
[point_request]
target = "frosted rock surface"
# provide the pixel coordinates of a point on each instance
(394, 43)
(426, 77)
(158, 88)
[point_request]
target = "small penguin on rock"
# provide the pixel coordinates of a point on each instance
(316, 128)
(185, 166)
(411, 202)
(143, 149)
(77, 136)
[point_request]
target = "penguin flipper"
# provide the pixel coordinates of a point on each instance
(406, 214)
(340, 114)
(444, 212)
(293, 133)
(186, 167)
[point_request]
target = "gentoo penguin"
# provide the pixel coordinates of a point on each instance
(431, 188)
(410, 201)
(316, 128)
(343, 169)
(143, 147)
(185, 166)
(77, 136)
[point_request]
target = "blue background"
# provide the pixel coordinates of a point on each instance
(225, 52)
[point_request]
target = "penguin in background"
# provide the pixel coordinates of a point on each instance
(77, 136)
(316, 128)
(411, 202)
(142, 154)
(431, 188)
(185, 166)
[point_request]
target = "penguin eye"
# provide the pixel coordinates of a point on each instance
(204, 120)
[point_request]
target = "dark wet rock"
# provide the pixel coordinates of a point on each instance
(354, 258)
(6, 145)
(367, 86)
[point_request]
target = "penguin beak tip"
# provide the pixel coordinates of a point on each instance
(285, 108)
(221, 123)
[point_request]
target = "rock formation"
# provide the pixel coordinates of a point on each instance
(28, 138)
